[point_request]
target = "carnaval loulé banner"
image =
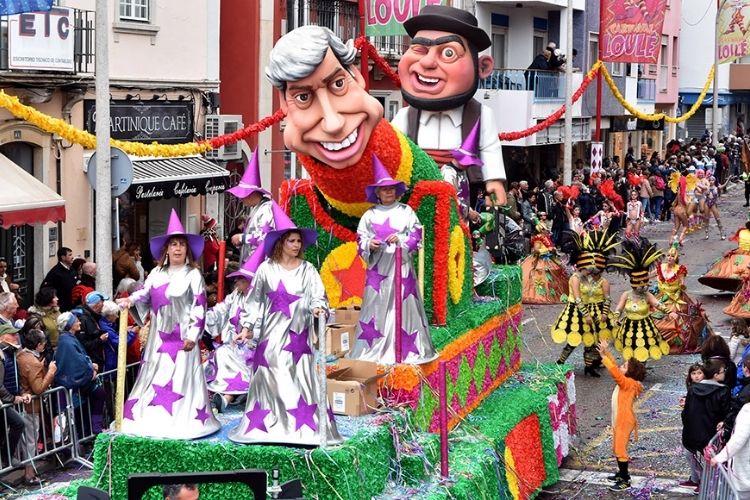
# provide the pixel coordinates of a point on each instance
(733, 30)
(632, 30)
(386, 17)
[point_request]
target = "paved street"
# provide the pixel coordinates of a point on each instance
(657, 458)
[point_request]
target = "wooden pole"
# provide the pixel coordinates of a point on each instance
(222, 259)
(122, 356)
(443, 420)
(397, 299)
(322, 383)
(420, 267)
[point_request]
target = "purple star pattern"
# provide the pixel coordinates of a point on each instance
(253, 241)
(374, 278)
(235, 320)
(304, 415)
(410, 287)
(127, 409)
(266, 227)
(202, 415)
(281, 300)
(259, 359)
(201, 299)
(171, 343)
(159, 297)
(369, 332)
(165, 396)
(331, 418)
(236, 383)
(408, 343)
(255, 418)
(298, 344)
(200, 323)
(384, 230)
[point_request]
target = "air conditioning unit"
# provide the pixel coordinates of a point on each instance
(217, 125)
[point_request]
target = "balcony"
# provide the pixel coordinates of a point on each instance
(84, 42)
(646, 90)
(739, 76)
(546, 85)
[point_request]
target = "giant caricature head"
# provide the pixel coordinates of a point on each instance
(330, 115)
(441, 69)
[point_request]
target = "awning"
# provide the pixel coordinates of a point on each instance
(26, 200)
(156, 178)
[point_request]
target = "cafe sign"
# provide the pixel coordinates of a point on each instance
(178, 188)
(145, 121)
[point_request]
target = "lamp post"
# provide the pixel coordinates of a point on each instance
(568, 150)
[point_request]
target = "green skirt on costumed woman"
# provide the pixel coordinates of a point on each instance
(637, 336)
(586, 318)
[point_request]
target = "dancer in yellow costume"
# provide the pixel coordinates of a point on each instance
(637, 336)
(725, 272)
(586, 317)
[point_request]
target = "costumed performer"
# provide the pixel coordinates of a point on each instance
(678, 185)
(227, 370)
(637, 336)
(440, 72)
(169, 398)
(545, 280)
(259, 219)
(282, 400)
(740, 305)
(586, 318)
(634, 215)
(685, 333)
(724, 273)
(382, 228)
(712, 207)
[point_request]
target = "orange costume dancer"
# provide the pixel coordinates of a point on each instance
(628, 377)
(740, 305)
(545, 280)
(724, 273)
(683, 334)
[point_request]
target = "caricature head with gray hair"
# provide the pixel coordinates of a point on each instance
(329, 114)
(299, 53)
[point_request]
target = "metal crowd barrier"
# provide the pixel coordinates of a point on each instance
(64, 422)
(716, 480)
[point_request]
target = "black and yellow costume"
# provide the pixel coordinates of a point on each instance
(637, 336)
(589, 253)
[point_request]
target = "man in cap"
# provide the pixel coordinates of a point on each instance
(91, 335)
(439, 74)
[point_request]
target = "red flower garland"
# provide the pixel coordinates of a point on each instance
(303, 187)
(248, 131)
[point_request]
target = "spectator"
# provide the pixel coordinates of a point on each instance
(559, 218)
(737, 452)
(540, 63)
(544, 200)
(11, 424)
(86, 284)
(109, 324)
(62, 278)
(180, 492)
(657, 194)
(211, 245)
(90, 335)
(715, 347)
(528, 213)
(46, 307)
(124, 265)
(513, 197)
(35, 378)
(8, 308)
(5, 284)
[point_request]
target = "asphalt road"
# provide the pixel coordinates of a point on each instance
(657, 460)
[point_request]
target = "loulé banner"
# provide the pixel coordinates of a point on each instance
(386, 17)
(632, 30)
(734, 17)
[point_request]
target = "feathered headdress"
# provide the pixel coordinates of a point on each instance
(569, 192)
(590, 249)
(636, 260)
(607, 188)
(634, 180)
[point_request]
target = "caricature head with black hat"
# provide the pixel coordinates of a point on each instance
(441, 69)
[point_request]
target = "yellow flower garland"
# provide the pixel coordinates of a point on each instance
(456, 264)
(340, 258)
(657, 116)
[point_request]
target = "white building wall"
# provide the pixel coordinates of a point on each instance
(696, 45)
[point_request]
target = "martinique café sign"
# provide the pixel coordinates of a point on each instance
(145, 121)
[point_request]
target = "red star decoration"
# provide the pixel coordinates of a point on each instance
(352, 279)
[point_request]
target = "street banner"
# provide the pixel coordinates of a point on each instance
(733, 30)
(9, 7)
(632, 30)
(597, 155)
(386, 17)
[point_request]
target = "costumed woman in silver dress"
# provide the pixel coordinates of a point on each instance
(170, 397)
(227, 370)
(382, 227)
(287, 294)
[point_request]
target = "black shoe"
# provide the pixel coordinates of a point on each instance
(746, 205)
(621, 485)
(613, 478)
(590, 371)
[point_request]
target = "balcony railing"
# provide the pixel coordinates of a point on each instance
(84, 41)
(546, 85)
(646, 90)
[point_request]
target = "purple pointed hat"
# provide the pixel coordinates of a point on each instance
(468, 154)
(175, 228)
(250, 182)
(283, 225)
(382, 179)
(249, 267)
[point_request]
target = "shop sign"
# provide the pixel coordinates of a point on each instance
(145, 121)
(179, 188)
(41, 40)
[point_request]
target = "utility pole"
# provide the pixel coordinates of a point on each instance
(715, 104)
(568, 149)
(103, 242)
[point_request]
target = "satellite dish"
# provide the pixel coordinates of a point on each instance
(122, 171)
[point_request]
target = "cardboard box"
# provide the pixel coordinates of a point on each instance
(353, 387)
(339, 339)
(347, 315)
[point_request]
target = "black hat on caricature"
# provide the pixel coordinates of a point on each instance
(450, 19)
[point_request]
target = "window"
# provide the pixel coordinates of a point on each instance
(593, 54)
(134, 10)
(540, 42)
(499, 47)
(675, 56)
(664, 63)
(617, 69)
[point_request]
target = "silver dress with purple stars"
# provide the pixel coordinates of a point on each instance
(228, 366)
(282, 400)
(170, 397)
(375, 334)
